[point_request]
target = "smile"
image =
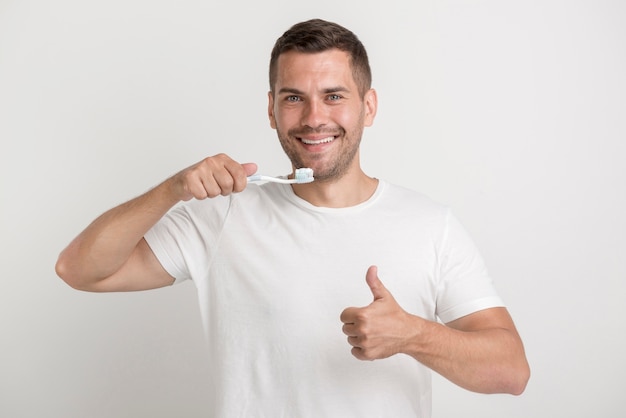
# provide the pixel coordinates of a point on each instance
(317, 141)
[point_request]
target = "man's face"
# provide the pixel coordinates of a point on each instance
(318, 113)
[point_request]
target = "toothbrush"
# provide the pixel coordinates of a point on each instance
(301, 175)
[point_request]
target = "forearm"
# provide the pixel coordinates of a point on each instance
(107, 243)
(489, 360)
(109, 255)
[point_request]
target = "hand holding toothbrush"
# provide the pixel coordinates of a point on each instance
(211, 177)
(221, 175)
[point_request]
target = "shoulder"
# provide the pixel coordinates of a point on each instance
(402, 199)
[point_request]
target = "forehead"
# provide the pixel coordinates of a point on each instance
(327, 66)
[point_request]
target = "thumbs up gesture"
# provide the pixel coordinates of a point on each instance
(380, 329)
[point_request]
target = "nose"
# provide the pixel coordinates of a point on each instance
(314, 114)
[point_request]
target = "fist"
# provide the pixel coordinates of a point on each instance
(380, 329)
(211, 177)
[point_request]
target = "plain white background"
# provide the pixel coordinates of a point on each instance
(513, 113)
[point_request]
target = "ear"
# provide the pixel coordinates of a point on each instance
(270, 109)
(371, 105)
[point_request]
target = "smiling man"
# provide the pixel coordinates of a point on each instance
(319, 113)
(288, 274)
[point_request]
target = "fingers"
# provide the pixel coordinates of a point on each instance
(213, 176)
(371, 330)
(364, 349)
(350, 329)
(250, 168)
(357, 329)
(376, 286)
(358, 340)
(359, 353)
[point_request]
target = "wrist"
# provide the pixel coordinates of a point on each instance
(419, 334)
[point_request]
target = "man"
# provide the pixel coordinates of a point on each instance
(278, 266)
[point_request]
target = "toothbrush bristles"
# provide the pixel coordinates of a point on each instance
(303, 175)
(300, 175)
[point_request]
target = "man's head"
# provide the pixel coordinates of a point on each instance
(320, 99)
(318, 35)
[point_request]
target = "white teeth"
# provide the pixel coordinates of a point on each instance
(319, 141)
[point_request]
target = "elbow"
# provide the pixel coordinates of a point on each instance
(67, 273)
(511, 382)
(64, 272)
(514, 380)
(518, 371)
(511, 379)
(518, 385)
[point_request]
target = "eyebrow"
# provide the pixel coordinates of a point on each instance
(290, 90)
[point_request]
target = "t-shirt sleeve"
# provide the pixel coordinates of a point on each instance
(166, 240)
(465, 286)
(184, 239)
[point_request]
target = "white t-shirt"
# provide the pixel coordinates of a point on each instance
(274, 273)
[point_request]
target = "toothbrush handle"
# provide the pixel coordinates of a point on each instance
(260, 177)
(256, 177)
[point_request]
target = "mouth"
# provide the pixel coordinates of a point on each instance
(317, 141)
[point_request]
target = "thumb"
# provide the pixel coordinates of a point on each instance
(250, 168)
(379, 291)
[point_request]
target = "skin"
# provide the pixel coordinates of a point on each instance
(481, 352)
(319, 117)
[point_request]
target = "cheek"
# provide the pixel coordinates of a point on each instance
(286, 118)
(348, 118)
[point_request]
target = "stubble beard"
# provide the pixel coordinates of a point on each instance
(333, 169)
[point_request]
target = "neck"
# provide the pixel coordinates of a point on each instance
(349, 190)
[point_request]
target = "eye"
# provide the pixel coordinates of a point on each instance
(334, 97)
(292, 98)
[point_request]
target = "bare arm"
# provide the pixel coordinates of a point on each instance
(481, 352)
(111, 254)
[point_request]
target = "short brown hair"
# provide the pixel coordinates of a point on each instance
(317, 35)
